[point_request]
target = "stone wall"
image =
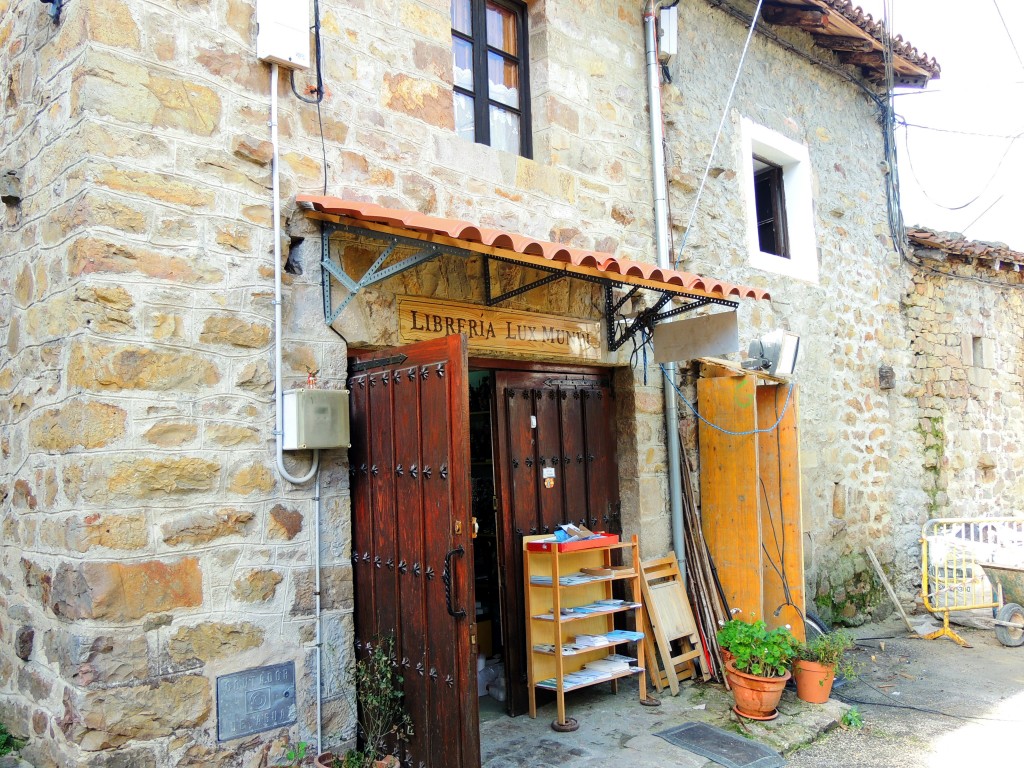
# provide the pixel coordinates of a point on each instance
(849, 320)
(149, 545)
(137, 417)
(963, 323)
(136, 310)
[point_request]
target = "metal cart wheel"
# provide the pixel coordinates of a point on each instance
(1011, 636)
(815, 626)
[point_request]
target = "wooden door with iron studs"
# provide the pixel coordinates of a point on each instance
(412, 550)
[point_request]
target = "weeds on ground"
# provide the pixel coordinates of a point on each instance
(852, 719)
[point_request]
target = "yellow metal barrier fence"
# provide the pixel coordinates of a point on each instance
(952, 549)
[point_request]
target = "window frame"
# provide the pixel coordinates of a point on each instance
(771, 176)
(760, 143)
(480, 93)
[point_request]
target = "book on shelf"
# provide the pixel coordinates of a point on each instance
(564, 581)
(590, 641)
(606, 667)
(628, 660)
(624, 636)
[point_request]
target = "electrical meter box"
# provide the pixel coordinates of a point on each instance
(282, 33)
(315, 418)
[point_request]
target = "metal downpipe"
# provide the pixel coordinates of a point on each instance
(675, 484)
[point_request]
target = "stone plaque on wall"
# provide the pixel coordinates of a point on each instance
(499, 330)
(255, 700)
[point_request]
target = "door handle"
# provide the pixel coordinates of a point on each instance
(446, 578)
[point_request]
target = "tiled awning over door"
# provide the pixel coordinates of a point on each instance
(447, 235)
(529, 250)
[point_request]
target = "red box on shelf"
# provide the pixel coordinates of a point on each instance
(571, 546)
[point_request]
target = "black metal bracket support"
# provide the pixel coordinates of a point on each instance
(426, 251)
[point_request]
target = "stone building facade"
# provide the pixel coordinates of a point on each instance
(149, 545)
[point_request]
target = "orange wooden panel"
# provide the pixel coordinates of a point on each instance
(729, 506)
(781, 525)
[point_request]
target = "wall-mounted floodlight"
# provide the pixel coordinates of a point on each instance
(774, 353)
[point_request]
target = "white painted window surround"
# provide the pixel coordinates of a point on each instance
(794, 160)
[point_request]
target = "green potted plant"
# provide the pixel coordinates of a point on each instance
(817, 664)
(728, 634)
(760, 670)
(382, 715)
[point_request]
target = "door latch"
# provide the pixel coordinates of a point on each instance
(476, 527)
(458, 527)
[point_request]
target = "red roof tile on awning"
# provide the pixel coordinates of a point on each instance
(519, 247)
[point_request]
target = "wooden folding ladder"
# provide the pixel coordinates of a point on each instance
(670, 626)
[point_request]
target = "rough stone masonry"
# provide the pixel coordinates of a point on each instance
(148, 544)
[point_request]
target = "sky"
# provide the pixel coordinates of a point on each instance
(980, 91)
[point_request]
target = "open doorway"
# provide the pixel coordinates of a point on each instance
(491, 681)
(542, 453)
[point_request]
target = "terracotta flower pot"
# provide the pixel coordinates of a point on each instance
(813, 681)
(756, 697)
(727, 656)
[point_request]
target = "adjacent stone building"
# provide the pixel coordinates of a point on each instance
(150, 545)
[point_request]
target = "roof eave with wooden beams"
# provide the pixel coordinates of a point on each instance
(855, 37)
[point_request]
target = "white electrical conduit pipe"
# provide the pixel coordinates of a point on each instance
(314, 470)
(675, 478)
(278, 394)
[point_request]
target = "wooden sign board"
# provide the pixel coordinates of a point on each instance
(499, 330)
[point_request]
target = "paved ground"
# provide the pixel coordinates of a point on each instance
(925, 704)
(932, 704)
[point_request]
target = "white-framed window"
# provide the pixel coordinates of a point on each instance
(776, 174)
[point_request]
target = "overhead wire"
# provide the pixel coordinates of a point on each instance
(985, 187)
(977, 218)
(900, 120)
(718, 133)
(1008, 35)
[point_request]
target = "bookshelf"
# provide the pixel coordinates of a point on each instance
(571, 640)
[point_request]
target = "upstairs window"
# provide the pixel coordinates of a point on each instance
(489, 51)
(770, 208)
(777, 193)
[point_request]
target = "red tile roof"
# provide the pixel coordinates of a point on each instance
(956, 244)
(876, 29)
(626, 270)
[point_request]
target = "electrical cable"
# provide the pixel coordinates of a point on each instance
(900, 120)
(1008, 35)
(718, 133)
(995, 173)
(978, 217)
(319, 90)
(892, 704)
(696, 413)
(323, 143)
(781, 569)
(724, 6)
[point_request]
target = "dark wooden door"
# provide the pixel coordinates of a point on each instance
(555, 455)
(412, 552)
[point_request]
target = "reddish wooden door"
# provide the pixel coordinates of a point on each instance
(555, 454)
(412, 552)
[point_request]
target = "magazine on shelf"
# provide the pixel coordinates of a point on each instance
(624, 635)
